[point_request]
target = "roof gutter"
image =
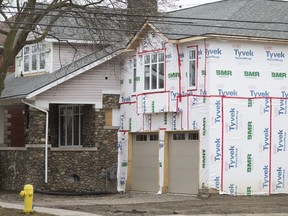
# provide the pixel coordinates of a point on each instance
(46, 137)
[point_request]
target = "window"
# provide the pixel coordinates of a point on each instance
(154, 137)
(34, 58)
(179, 136)
(193, 136)
(192, 68)
(134, 74)
(154, 71)
(70, 125)
(141, 137)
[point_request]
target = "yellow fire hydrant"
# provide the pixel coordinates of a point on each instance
(27, 194)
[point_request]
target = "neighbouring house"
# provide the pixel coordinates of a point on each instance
(59, 110)
(203, 103)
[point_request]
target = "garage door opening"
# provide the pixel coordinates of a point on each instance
(145, 162)
(183, 164)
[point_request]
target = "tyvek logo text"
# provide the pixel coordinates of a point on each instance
(211, 53)
(265, 176)
(266, 139)
(218, 111)
(259, 94)
(281, 146)
(243, 54)
(233, 153)
(217, 149)
(233, 119)
(275, 56)
(267, 106)
(280, 178)
(217, 182)
(283, 107)
(232, 189)
(232, 93)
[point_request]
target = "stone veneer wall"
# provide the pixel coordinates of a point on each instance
(91, 168)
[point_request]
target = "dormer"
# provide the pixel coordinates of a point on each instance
(34, 59)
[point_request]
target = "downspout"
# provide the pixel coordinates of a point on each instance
(46, 137)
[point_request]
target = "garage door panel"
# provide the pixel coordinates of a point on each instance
(148, 149)
(145, 166)
(183, 165)
(181, 174)
(183, 161)
(145, 162)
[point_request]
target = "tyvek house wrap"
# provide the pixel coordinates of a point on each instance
(240, 108)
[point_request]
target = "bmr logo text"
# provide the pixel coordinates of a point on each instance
(246, 55)
(218, 111)
(249, 163)
(224, 73)
(251, 74)
(279, 56)
(250, 130)
(281, 141)
(278, 75)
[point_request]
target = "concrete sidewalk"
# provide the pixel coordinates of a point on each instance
(63, 212)
(53, 211)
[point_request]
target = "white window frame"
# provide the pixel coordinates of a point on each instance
(66, 115)
(134, 74)
(148, 72)
(37, 52)
(192, 75)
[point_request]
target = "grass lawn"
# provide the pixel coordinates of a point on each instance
(17, 212)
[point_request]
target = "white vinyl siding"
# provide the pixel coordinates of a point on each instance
(65, 54)
(87, 87)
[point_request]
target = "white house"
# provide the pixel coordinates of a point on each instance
(203, 103)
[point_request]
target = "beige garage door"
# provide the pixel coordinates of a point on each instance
(183, 163)
(145, 162)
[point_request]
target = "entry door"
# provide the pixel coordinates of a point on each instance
(145, 162)
(183, 162)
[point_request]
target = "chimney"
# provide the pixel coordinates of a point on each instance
(143, 7)
(138, 9)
